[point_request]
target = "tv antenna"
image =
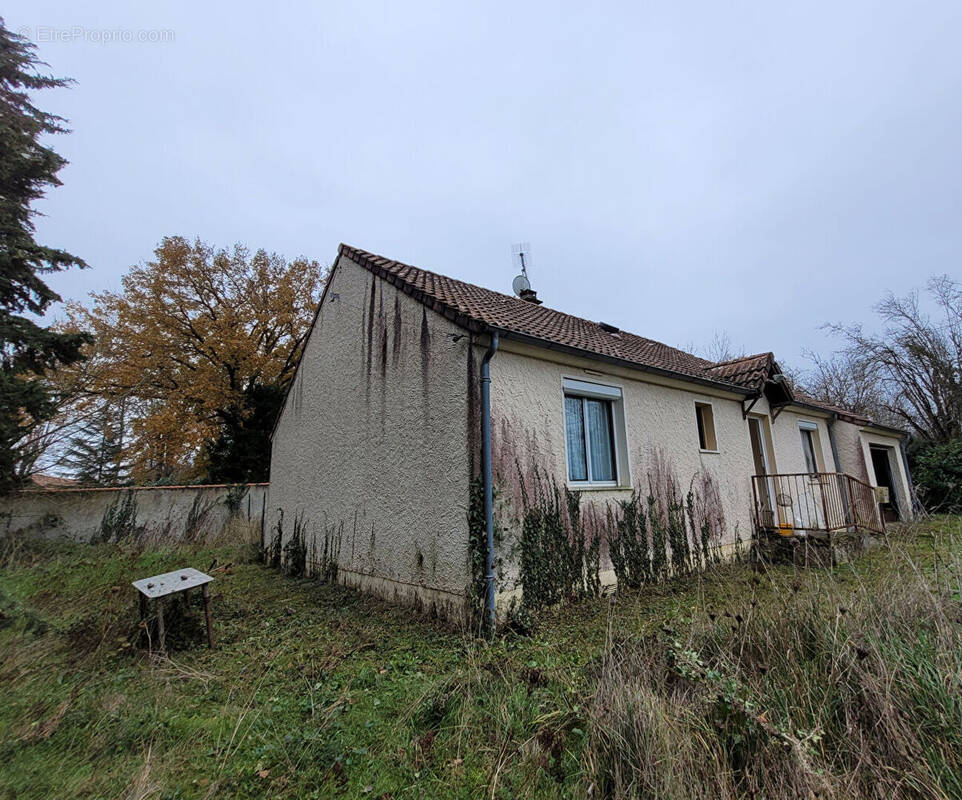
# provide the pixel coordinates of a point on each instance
(522, 257)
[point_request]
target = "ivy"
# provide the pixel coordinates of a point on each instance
(273, 551)
(234, 497)
(557, 560)
(326, 567)
(119, 521)
(667, 535)
(295, 550)
(299, 555)
(659, 554)
(630, 547)
(196, 517)
(478, 550)
(557, 545)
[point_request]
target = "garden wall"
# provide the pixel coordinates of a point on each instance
(176, 513)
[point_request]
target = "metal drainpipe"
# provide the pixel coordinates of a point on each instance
(487, 477)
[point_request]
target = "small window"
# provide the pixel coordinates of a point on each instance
(590, 436)
(810, 447)
(706, 427)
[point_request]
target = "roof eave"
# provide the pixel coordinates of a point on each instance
(878, 426)
(590, 355)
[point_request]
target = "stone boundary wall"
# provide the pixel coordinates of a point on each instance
(160, 513)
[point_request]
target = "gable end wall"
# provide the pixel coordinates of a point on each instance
(371, 449)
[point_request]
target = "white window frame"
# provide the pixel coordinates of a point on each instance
(575, 387)
(816, 440)
(699, 402)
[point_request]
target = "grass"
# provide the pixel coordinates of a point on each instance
(736, 683)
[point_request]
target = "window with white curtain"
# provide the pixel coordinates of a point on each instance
(590, 432)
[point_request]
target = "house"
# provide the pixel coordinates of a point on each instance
(43, 481)
(427, 412)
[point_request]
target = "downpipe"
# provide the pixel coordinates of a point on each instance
(488, 480)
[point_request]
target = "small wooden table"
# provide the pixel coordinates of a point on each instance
(159, 587)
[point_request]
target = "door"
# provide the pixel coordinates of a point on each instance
(810, 506)
(883, 477)
(764, 490)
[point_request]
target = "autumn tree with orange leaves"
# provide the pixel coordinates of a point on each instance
(198, 348)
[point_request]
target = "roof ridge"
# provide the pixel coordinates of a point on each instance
(374, 256)
(742, 358)
(517, 301)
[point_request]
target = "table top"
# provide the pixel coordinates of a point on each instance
(171, 582)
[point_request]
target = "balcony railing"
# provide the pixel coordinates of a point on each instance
(797, 503)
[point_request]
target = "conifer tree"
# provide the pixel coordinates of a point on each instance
(96, 451)
(28, 168)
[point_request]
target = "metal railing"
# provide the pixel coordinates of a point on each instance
(815, 501)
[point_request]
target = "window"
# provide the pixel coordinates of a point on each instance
(706, 427)
(592, 423)
(810, 447)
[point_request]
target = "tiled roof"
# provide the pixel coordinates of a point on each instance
(51, 481)
(801, 396)
(748, 371)
(481, 309)
(467, 303)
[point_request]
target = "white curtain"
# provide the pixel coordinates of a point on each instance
(575, 436)
(599, 436)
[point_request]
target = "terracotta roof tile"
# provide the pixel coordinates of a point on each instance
(475, 307)
(748, 371)
(801, 396)
(51, 481)
(467, 303)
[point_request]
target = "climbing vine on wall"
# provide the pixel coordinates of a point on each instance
(300, 554)
(668, 534)
(558, 558)
(477, 549)
(234, 497)
(629, 546)
(119, 521)
(197, 517)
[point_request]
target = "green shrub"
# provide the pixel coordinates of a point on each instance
(938, 477)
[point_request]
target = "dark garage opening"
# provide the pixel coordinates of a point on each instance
(883, 477)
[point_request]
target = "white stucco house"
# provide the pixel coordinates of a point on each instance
(407, 374)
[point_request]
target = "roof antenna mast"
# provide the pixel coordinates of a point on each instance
(521, 285)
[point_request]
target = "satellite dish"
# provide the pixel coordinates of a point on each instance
(520, 284)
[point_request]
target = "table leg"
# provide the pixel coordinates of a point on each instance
(161, 632)
(210, 628)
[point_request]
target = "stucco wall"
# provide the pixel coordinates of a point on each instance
(162, 513)
(528, 427)
(787, 440)
(528, 424)
(850, 451)
(372, 447)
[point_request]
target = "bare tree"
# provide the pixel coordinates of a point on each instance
(915, 362)
(848, 380)
(721, 348)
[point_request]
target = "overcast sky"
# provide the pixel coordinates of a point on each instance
(678, 169)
